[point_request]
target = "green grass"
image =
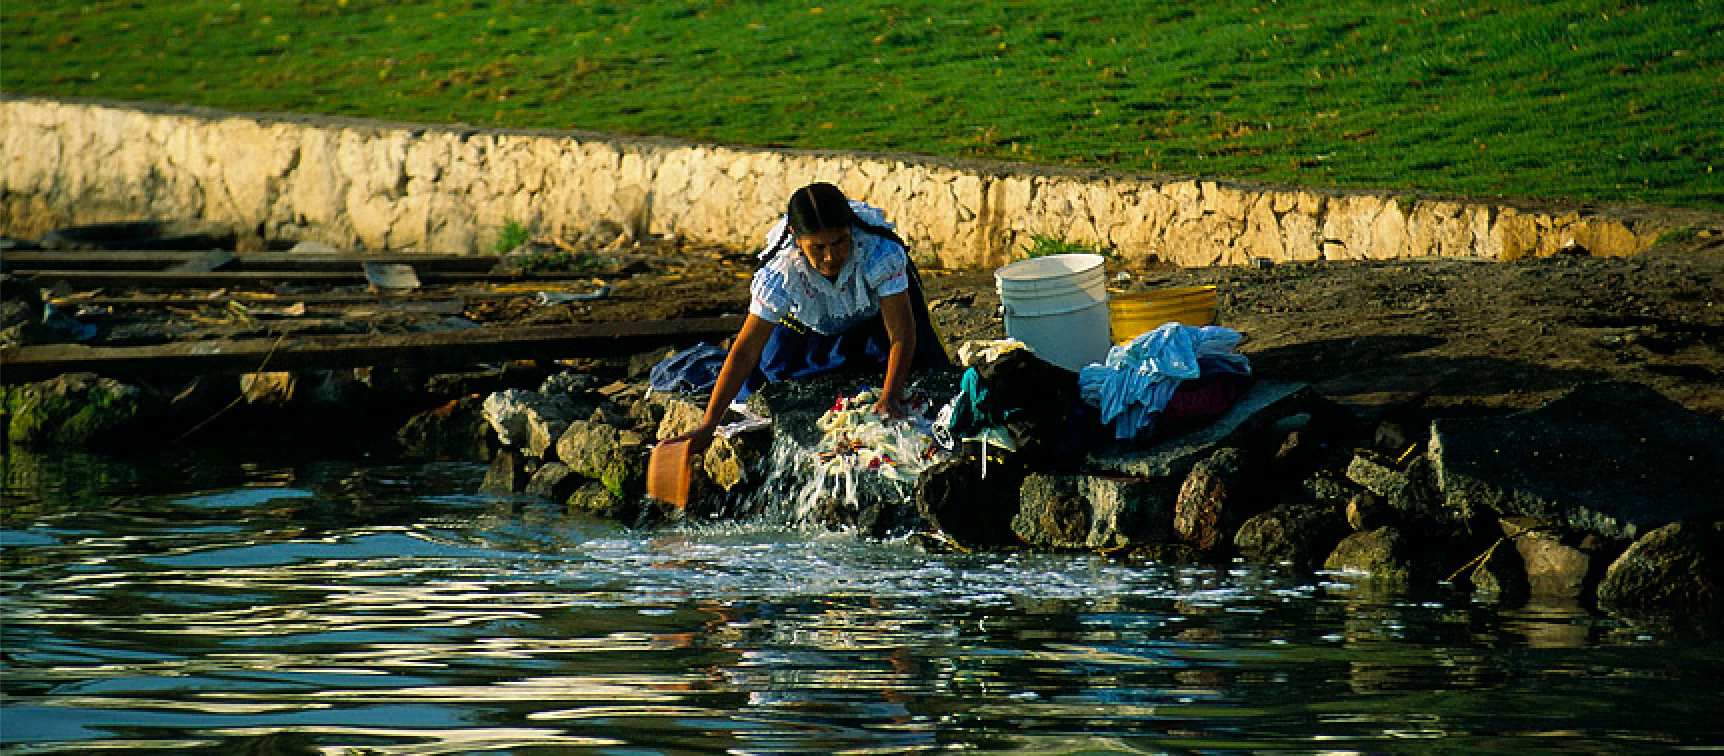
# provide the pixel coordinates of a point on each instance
(1560, 99)
(1041, 245)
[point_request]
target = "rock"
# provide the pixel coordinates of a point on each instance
(954, 498)
(1616, 459)
(506, 476)
(1366, 512)
(1298, 534)
(20, 311)
(1328, 490)
(1678, 567)
(456, 430)
(1265, 403)
(1086, 511)
(1501, 575)
(593, 498)
(525, 418)
(1211, 502)
(1557, 562)
(569, 382)
(1408, 491)
(624, 473)
(729, 460)
(681, 415)
(77, 409)
(640, 365)
(1384, 553)
(554, 481)
(586, 447)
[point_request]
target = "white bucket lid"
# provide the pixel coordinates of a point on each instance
(1051, 266)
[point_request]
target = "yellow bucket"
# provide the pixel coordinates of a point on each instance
(1133, 315)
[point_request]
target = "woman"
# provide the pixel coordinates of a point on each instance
(837, 290)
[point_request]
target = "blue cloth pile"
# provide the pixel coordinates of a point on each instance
(1138, 378)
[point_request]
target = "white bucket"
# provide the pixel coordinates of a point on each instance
(1058, 306)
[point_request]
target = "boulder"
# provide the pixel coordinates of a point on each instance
(588, 447)
(506, 476)
(1211, 503)
(1257, 410)
(1616, 459)
(457, 430)
(1557, 562)
(681, 415)
(1677, 567)
(591, 497)
(77, 409)
(1409, 491)
(1366, 512)
(554, 481)
(1093, 512)
(954, 498)
(1384, 553)
(729, 459)
(529, 419)
(1297, 534)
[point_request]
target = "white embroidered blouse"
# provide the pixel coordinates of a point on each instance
(788, 285)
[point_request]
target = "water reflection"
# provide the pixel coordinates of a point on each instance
(370, 608)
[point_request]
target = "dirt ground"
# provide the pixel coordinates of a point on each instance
(1422, 337)
(1427, 337)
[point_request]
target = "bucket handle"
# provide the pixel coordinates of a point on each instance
(1006, 307)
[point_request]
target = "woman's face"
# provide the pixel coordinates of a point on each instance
(826, 250)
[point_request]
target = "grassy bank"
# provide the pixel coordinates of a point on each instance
(1559, 99)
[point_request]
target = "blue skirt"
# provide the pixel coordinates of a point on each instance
(796, 351)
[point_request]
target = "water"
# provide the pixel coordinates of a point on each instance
(359, 607)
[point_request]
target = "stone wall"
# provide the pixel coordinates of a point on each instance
(451, 189)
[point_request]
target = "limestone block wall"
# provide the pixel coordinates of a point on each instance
(451, 189)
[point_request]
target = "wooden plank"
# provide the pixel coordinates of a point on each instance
(431, 350)
(77, 259)
(149, 259)
(136, 279)
(379, 299)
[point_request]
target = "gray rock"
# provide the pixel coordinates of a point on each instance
(1298, 534)
(569, 382)
(554, 481)
(681, 415)
(506, 476)
(1676, 567)
(522, 418)
(1211, 503)
(1409, 491)
(587, 447)
(1087, 511)
(1264, 404)
(457, 430)
(1615, 459)
(1385, 553)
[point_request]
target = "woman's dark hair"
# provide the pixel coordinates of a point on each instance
(821, 206)
(818, 207)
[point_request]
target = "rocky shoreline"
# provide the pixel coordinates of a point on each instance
(1544, 429)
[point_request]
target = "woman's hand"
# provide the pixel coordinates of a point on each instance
(889, 408)
(698, 439)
